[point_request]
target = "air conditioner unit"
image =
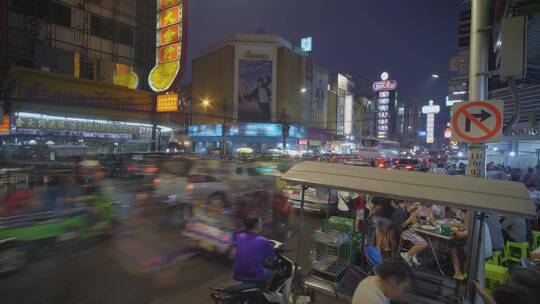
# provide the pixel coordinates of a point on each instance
(35, 28)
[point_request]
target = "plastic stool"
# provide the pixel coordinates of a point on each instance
(495, 275)
(514, 252)
(497, 258)
(535, 239)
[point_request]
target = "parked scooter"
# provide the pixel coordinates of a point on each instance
(282, 290)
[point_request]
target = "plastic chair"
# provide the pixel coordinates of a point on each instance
(514, 252)
(535, 239)
(495, 275)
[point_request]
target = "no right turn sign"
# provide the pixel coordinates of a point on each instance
(477, 121)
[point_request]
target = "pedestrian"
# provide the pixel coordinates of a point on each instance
(495, 230)
(514, 229)
(529, 179)
(391, 280)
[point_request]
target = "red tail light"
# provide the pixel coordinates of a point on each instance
(132, 169)
(409, 168)
(381, 165)
(150, 170)
(156, 181)
(190, 186)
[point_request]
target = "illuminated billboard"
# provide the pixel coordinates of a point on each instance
(167, 102)
(384, 85)
(171, 25)
(430, 110)
(306, 44)
(385, 104)
(255, 86)
(246, 129)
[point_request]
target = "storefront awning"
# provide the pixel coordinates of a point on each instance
(454, 191)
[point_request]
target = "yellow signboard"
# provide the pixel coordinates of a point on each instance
(77, 65)
(170, 32)
(167, 102)
(124, 76)
(4, 125)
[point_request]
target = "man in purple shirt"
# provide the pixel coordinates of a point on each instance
(253, 251)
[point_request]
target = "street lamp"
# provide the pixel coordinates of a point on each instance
(303, 90)
(435, 76)
(206, 103)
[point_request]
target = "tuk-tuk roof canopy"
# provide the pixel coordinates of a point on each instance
(462, 192)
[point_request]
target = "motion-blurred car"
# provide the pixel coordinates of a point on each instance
(144, 164)
(184, 182)
(409, 164)
(315, 199)
(359, 163)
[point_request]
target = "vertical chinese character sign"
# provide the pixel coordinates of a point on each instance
(384, 106)
(171, 34)
(430, 110)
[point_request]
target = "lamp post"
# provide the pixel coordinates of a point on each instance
(453, 84)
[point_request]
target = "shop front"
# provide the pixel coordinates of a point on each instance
(45, 137)
(56, 116)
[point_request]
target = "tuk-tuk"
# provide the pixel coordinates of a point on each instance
(48, 205)
(476, 195)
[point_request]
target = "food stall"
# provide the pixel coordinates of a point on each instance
(478, 196)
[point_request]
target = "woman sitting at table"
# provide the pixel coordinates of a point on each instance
(404, 216)
(459, 248)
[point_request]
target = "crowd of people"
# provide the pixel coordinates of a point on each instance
(394, 224)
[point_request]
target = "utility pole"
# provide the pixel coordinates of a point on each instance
(478, 85)
(154, 142)
(284, 130)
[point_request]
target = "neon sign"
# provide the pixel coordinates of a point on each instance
(171, 37)
(384, 85)
(430, 110)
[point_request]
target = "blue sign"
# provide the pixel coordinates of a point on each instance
(205, 130)
(256, 129)
(306, 44)
(297, 132)
(422, 133)
(247, 129)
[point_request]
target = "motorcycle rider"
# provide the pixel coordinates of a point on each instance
(253, 253)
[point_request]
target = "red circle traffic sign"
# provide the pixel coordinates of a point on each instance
(489, 133)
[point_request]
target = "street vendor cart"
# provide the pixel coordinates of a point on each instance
(475, 195)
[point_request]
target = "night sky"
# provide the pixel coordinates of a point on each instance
(411, 39)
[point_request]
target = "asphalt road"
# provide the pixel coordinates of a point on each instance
(146, 261)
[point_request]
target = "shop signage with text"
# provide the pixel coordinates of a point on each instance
(167, 102)
(71, 125)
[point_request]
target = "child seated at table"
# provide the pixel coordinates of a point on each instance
(404, 216)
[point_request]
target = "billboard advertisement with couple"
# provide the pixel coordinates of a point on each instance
(255, 96)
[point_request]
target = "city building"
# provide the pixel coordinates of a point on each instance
(263, 83)
(76, 74)
(365, 117)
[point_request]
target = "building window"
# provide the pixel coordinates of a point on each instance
(104, 28)
(95, 26)
(101, 27)
(48, 10)
(61, 14)
(125, 35)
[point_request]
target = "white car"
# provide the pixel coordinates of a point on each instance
(185, 183)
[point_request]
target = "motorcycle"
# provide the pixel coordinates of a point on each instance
(283, 289)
